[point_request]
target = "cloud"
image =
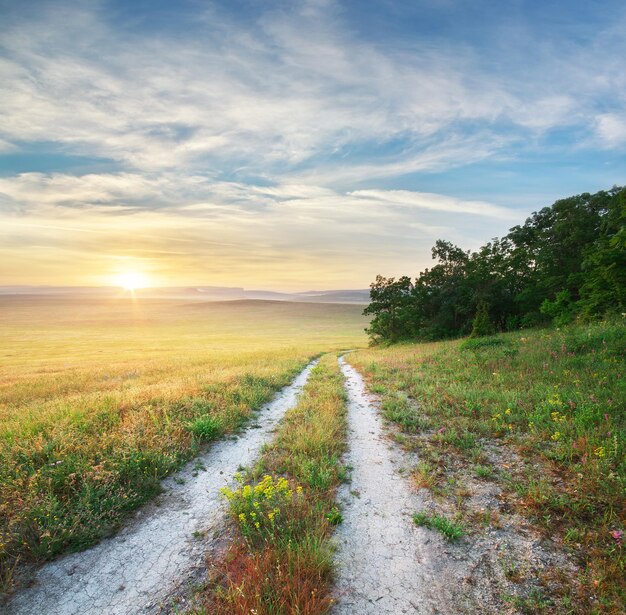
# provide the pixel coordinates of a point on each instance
(205, 232)
(255, 150)
(611, 129)
(438, 202)
(261, 98)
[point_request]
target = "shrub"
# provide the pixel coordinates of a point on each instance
(482, 325)
(562, 310)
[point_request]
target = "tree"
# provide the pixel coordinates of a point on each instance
(390, 305)
(565, 260)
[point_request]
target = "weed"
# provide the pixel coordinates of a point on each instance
(451, 530)
(206, 428)
(485, 472)
(268, 511)
(510, 567)
(334, 516)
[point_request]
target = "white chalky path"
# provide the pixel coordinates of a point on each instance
(136, 570)
(381, 563)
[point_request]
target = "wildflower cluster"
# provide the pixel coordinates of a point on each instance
(501, 420)
(260, 509)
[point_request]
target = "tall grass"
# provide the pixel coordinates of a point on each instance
(555, 397)
(100, 400)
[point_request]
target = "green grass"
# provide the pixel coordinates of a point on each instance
(101, 398)
(556, 399)
(451, 530)
(284, 511)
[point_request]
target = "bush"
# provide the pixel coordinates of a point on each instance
(265, 511)
(562, 310)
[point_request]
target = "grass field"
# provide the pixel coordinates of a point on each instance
(552, 405)
(100, 398)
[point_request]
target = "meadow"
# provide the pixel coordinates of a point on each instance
(102, 397)
(541, 413)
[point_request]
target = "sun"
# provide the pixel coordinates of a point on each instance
(131, 280)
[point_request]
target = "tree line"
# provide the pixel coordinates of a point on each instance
(566, 262)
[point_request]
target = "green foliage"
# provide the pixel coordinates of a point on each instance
(451, 530)
(334, 516)
(206, 428)
(565, 261)
(390, 301)
(481, 325)
(562, 310)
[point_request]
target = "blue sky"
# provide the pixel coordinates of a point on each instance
(293, 145)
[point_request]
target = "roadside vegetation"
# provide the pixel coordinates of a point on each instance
(540, 413)
(284, 512)
(100, 399)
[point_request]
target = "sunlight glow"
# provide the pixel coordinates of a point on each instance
(131, 280)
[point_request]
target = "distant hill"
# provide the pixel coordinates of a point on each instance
(205, 293)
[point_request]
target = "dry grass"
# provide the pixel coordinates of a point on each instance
(282, 560)
(100, 398)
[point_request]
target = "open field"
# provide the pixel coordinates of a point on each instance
(508, 465)
(533, 423)
(99, 399)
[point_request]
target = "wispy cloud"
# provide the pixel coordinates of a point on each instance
(438, 202)
(264, 97)
(221, 231)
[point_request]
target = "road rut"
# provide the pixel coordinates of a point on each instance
(135, 571)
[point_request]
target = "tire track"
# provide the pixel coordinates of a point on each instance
(135, 571)
(379, 547)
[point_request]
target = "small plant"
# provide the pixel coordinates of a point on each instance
(483, 471)
(510, 568)
(206, 428)
(451, 530)
(334, 516)
(260, 509)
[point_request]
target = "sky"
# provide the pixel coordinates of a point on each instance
(294, 145)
